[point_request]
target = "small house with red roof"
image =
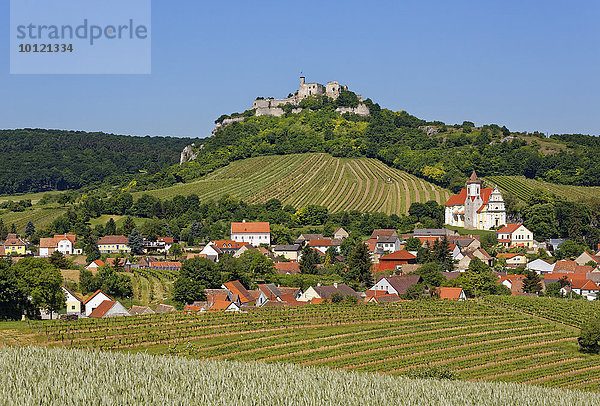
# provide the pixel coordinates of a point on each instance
(94, 301)
(324, 244)
(254, 233)
(109, 308)
(395, 260)
(447, 293)
(65, 244)
(95, 265)
(513, 259)
(515, 235)
(476, 208)
(287, 268)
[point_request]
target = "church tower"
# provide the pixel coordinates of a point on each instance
(473, 202)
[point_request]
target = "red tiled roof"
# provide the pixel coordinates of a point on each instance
(398, 255)
(568, 266)
(101, 310)
(237, 289)
(168, 240)
(462, 197)
(449, 293)
(584, 284)
(509, 228)
(227, 244)
(509, 255)
(288, 267)
(254, 227)
(220, 305)
(113, 239)
(325, 242)
(98, 263)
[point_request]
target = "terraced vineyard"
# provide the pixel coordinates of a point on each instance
(302, 179)
(478, 341)
(523, 187)
(41, 216)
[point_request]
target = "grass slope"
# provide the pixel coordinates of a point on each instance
(523, 187)
(40, 216)
(57, 377)
(479, 341)
(340, 184)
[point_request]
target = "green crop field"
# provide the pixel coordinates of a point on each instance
(302, 179)
(523, 187)
(477, 341)
(41, 376)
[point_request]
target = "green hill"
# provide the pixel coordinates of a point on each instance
(301, 179)
(522, 187)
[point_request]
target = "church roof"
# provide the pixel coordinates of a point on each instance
(473, 178)
(462, 197)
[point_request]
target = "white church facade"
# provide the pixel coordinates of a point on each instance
(476, 208)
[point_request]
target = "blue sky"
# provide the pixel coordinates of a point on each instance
(529, 65)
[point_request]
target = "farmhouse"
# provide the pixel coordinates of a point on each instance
(65, 244)
(140, 310)
(324, 244)
(513, 259)
(254, 233)
(324, 293)
(395, 260)
(14, 245)
(476, 208)
(73, 304)
(515, 235)
(210, 251)
(397, 284)
(292, 252)
(287, 268)
(113, 244)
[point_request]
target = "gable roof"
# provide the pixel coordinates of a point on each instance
(72, 293)
(164, 308)
(165, 264)
(237, 289)
(401, 255)
(325, 242)
(102, 309)
(270, 291)
(141, 310)
(94, 295)
(288, 267)
(167, 240)
(568, 266)
(449, 293)
(509, 228)
(13, 241)
(250, 227)
(460, 198)
(113, 239)
(325, 292)
(228, 244)
(97, 262)
(290, 247)
(584, 284)
(384, 232)
(401, 283)
(509, 255)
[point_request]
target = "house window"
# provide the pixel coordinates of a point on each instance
(72, 307)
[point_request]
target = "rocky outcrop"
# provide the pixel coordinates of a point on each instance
(361, 110)
(190, 153)
(227, 122)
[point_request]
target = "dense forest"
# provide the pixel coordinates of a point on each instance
(36, 160)
(443, 154)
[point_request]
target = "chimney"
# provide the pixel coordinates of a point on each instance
(302, 80)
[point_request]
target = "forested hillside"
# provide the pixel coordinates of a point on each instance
(37, 160)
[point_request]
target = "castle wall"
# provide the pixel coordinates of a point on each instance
(361, 110)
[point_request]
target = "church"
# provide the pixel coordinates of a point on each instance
(476, 208)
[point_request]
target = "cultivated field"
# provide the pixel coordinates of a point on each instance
(340, 184)
(477, 341)
(40, 216)
(523, 187)
(59, 377)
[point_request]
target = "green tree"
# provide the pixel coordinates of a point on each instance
(308, 261)
(257, 264)
(136, 242)
(13, 296)
(29, 229)
(431, 274)
(175, 250)
(13, 228)
(479, 280)
(569, 249)
(234, 270)
(553, 290)
(442, 254)
(113, 283)
(91, 249)
(88, 282)
(413, 244)
(532, 282)
(128, 225)
(359, 266)
(110, 228)
(58, 260)
(196, 275)
(41, 281)
(589, 337)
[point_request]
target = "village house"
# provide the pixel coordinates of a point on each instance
(397, 284)
(164, 308)
(164, 265)
(571, 267)
(162, 244)
(303, 239)
(140, 310)
(324, 244)
(65, 244)
(73, 304)
(94, 301)
(395, 261)
(513, 259)
(379, 297)
(325, 293)
(14, 246)
(340, 234)
(254, 233)
(109, 308)
(228, 246)
(540, 266)
(95, 265)
(287, 268)
(513, 282)
(386, 240)
(292, 252)
(515, 235)
(476, 208)
(211, 252)
(240, 295)
(447, 293)
(113, 244)
(586, 258)
(431, 235)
